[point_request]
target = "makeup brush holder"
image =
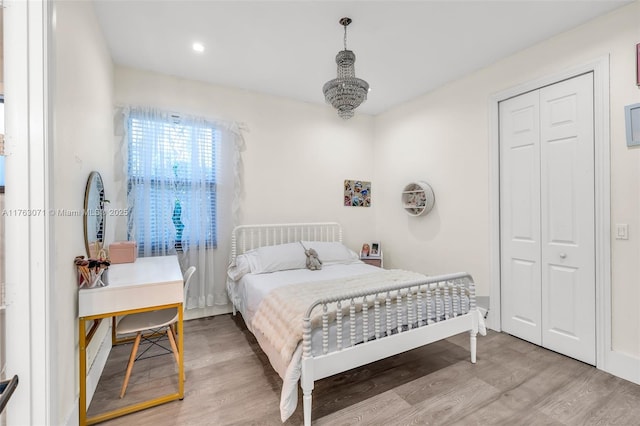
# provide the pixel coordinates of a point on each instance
(93, 279)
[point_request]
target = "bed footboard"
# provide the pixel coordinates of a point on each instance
(374, 324)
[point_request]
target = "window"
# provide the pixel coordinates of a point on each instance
(171, 183)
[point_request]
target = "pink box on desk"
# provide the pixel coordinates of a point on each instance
(123, 252)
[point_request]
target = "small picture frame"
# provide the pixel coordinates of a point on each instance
(632, 124)
(371, 250)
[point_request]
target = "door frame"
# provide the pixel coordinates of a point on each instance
(30, 313)
(602, 187)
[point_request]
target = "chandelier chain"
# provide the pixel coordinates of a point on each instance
(345, 37)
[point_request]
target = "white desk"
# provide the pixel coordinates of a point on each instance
(148, 284)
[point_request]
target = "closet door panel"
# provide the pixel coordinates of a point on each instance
(560, 193)
(563, 285)
(520, 216)
(568, 218)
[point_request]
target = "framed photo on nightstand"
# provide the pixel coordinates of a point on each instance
(376, 249)
(371, 250)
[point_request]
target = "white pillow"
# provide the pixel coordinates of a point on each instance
(242, 266)
(332, 253)
(281, 257)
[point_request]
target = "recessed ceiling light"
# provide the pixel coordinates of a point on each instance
(198, 47)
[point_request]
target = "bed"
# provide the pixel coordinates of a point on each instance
(313, 324)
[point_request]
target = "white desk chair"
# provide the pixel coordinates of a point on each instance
(153, 321)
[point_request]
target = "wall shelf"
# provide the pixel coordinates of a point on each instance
(418, 198)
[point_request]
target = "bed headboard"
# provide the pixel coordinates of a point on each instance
(248, 237)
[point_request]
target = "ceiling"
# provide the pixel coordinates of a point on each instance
(287, 48)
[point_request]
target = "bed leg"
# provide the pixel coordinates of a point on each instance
(472, 346)
(306, 401)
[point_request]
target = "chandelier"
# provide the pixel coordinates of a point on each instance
(346, 92)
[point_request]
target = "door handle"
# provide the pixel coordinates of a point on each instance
(563, 255)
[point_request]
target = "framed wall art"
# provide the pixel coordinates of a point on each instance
(638, 64)
(632, 123)
(357, 193)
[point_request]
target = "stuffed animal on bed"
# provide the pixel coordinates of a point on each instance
(313, 261)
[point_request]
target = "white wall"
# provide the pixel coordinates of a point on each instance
(297, 158)
(443, 138)
(83, 129)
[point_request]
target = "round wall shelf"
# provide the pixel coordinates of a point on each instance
(418, 198)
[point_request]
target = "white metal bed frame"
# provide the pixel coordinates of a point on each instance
(405, 303)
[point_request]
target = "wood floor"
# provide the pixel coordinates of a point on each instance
(230, 382)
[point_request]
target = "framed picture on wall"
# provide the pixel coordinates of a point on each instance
(638, 64)
(632, 124)
(357, 193)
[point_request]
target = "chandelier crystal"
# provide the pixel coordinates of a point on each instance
(346, 92)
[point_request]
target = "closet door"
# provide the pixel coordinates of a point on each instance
(520, 217)
(568, 218)
(547, 215)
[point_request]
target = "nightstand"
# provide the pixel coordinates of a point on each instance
(373, 261)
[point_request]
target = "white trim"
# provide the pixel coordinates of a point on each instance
(72, 418)
(495, 321)
(600, 69)
(30, 318)
(208, 311)
(603, 212)
(624, 366)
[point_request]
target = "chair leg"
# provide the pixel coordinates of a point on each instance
(132, 358)
(172, 340)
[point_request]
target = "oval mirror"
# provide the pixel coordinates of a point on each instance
(94, 214)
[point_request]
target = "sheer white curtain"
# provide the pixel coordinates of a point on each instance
(179, 196)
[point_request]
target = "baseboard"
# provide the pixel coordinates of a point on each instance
(72, 418)
(624, 366)
(209, 311)
(482, 302)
